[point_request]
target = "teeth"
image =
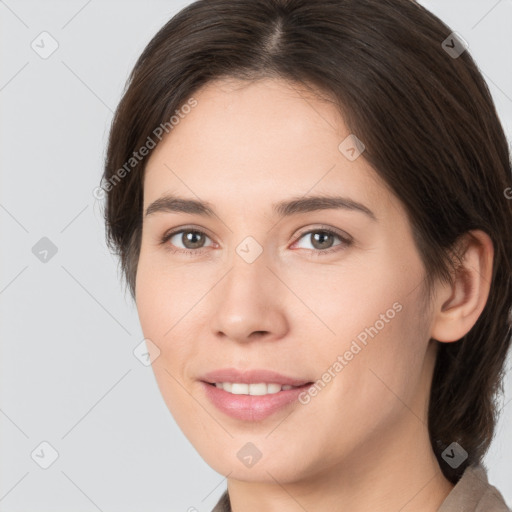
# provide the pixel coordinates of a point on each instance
(273, 388)
(238, 388)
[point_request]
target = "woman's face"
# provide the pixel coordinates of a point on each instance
(258, 285)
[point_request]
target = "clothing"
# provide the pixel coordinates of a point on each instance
(472, 493)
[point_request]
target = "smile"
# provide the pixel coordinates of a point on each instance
(259, 389)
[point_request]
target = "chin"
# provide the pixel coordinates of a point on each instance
(233, 458)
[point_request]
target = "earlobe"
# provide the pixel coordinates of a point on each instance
(457, 306)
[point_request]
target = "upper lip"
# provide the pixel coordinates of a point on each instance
(253, 376)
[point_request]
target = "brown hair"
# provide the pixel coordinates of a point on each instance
(425, 116)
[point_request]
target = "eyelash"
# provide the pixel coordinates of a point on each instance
(345, 241)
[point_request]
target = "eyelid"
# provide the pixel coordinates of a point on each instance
(322, 227)
(188, 227)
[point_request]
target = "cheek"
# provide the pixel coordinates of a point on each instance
(172, 308)
(385, 380)
(164, 295)
(375, 386)
(373, 329)
(161, 303)
(346, 299)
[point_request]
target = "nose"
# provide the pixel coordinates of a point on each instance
(249, 302)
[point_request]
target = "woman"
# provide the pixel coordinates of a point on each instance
(309, 201)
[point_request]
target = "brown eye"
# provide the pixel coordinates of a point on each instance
(189, 241)
(323, 241)
(192, 239)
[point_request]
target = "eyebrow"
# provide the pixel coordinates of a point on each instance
(171, 203)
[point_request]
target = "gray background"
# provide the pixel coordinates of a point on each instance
(68, 373)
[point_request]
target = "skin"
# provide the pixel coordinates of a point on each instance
(362, 443)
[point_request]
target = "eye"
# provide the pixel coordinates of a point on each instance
(321, 240)
(192, 239)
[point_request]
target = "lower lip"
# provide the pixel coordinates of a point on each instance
(251, 407)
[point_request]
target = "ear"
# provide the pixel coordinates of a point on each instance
(457, 306)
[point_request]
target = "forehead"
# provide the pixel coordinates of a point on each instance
(259, 141)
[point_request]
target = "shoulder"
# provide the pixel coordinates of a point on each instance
(474, 493)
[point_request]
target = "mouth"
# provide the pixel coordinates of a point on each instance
(252, 395)
(254, 377)
(254, 389)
